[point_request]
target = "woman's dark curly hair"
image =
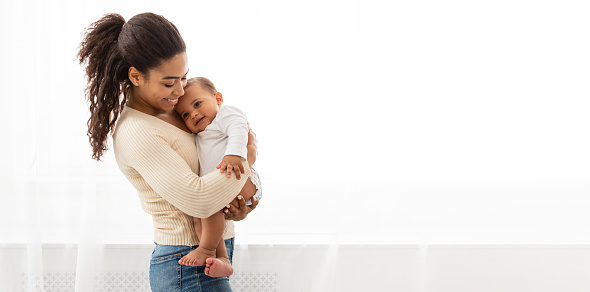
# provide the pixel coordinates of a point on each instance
(110, 46)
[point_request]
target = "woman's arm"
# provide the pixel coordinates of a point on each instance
(151, 158)
(252, 147)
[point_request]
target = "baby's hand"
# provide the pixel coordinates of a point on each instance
(231, 162)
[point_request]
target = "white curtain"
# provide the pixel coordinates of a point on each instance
(379, 122)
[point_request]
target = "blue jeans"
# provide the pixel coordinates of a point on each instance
(167, 275)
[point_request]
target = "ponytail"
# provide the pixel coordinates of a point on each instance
(110, 46)
(105, 70)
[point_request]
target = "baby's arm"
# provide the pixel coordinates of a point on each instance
(233, 123)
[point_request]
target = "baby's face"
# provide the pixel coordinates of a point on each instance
(198, 107)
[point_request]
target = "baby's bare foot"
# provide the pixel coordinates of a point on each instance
(197, 257)
(218, 267)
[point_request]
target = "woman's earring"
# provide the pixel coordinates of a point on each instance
(136, 84)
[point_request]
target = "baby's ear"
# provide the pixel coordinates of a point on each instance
(219, 98)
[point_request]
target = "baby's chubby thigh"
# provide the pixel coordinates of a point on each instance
(248, 191)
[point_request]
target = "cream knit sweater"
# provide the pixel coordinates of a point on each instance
(160, 160)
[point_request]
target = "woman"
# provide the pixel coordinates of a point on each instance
(145, 61)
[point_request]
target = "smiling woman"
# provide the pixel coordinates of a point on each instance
(153, 148)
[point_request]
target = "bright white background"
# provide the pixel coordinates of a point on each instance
(379, 122)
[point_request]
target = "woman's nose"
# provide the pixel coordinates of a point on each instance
(178, 89)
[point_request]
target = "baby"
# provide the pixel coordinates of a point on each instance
(222, 135)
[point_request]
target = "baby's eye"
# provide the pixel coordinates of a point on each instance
(197, 104)
(184, 116)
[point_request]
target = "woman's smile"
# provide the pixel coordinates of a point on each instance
(172, 101)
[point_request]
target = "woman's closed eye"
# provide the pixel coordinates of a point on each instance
(169, 85)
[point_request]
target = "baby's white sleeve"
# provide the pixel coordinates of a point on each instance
(233, 122)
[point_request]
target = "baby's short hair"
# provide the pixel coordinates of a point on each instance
(203, 82)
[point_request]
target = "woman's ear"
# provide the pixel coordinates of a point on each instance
(134, 75)
(219, 98)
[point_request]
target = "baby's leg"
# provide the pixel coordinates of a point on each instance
(248, 191)
(210, 230)
(210, 233)
(220, 266)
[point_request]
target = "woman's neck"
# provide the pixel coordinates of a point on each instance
(140, 105)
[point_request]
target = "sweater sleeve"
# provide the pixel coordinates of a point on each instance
(152, 157)
(234, 124)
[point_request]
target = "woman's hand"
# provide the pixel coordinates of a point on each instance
(252, 147)
(238, 210)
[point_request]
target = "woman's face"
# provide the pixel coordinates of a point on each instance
(159, 92)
